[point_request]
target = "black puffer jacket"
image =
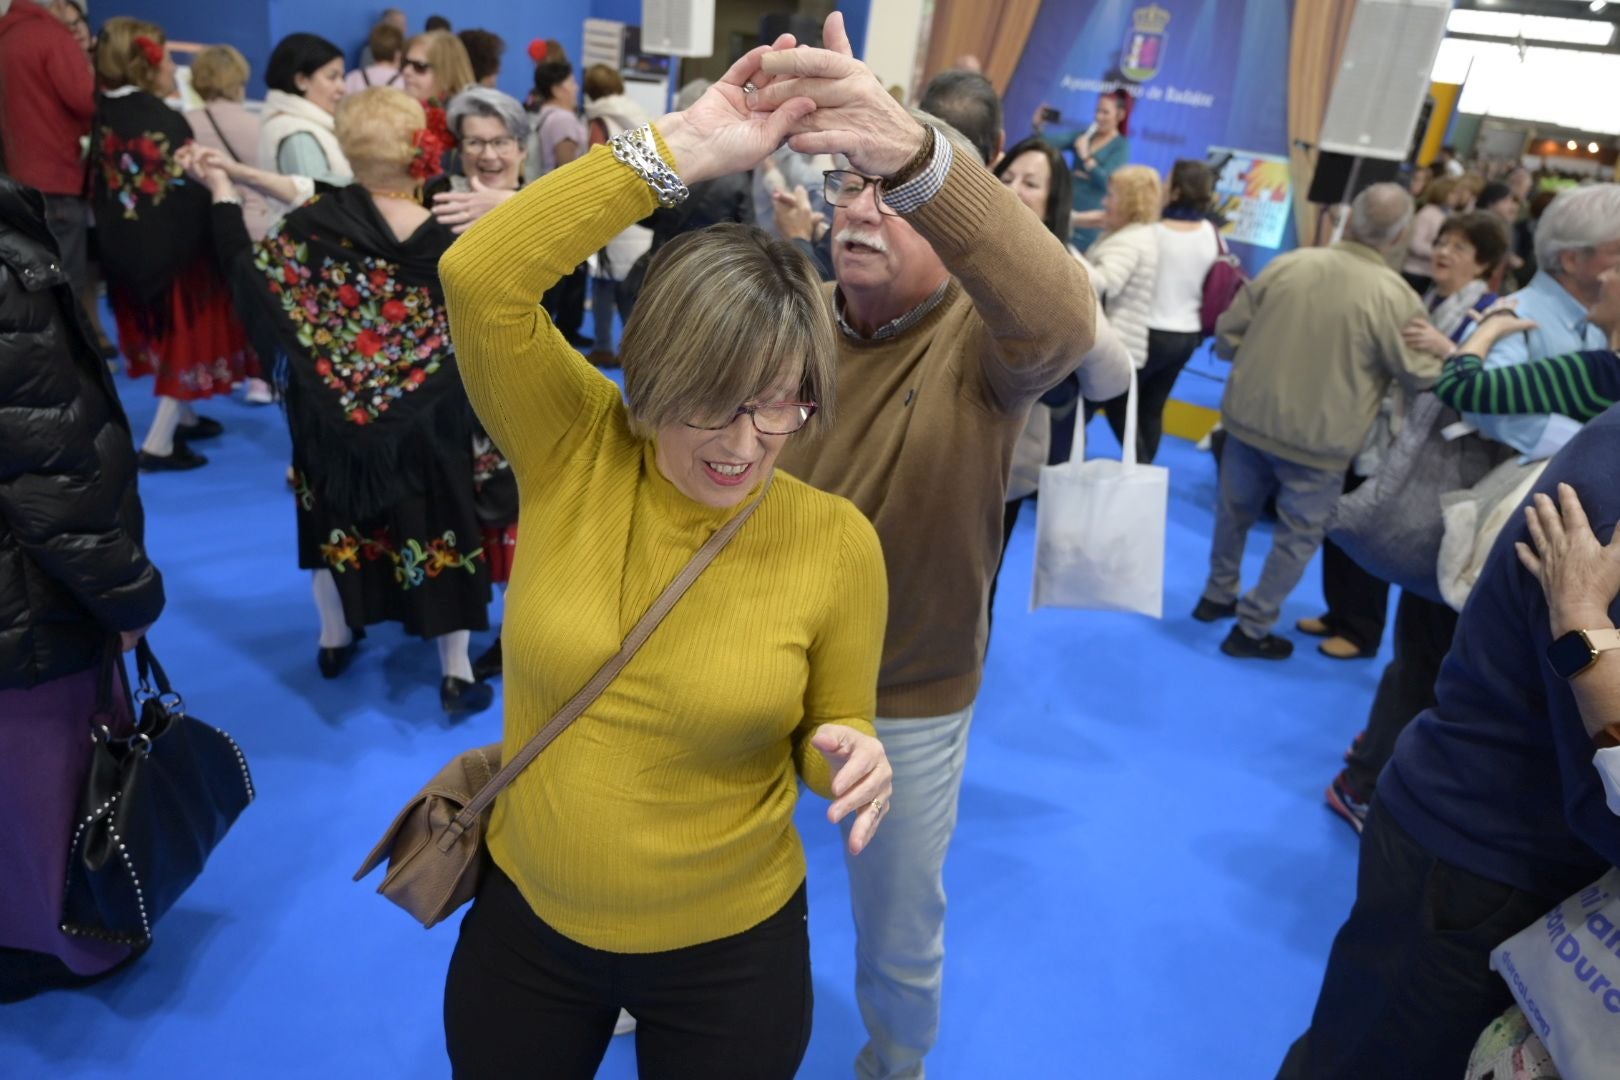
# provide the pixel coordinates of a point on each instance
(73, 566)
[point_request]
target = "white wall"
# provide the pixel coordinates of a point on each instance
(893, 35)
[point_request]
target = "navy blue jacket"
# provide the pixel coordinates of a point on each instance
(1498, 777)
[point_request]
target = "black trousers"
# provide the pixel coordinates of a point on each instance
(1168, 352)
(523, 1000)
(1357, 602)
(565, 301)
(1423, 633)
(1409, 988)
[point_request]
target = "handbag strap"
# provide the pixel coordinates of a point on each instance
(603, 677)
(222, 139)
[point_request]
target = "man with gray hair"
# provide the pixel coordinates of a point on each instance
(1577, 240)
(1315, 342)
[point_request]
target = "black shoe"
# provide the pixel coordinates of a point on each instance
(1244, 647)
(182, 459)
(488, 666)
(1209, 611)
(205, 428)
(334, 662)
(458, 697)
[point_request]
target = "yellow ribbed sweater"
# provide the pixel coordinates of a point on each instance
(664, 817)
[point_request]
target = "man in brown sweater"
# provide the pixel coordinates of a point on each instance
(1315, 342)
(956, 309)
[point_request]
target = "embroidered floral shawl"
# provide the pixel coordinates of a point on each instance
(357, 319)
(151, 219)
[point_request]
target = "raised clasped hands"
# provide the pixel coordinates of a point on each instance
(816, 100)
(209, 167)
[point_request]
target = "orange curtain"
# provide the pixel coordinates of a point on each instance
(995, 33)
(1321, 29)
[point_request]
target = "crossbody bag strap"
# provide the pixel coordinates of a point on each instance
(604, 676)
(222, 139)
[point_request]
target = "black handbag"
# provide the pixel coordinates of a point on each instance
(156, 803)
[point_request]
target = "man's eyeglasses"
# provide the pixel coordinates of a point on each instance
(503, 145)
(778, 418)
(421, 67)
(840, 187)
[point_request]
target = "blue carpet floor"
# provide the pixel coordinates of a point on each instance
(1144, 882)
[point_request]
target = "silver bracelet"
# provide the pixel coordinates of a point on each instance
(639, 151)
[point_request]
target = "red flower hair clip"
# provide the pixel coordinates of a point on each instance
(149, 49)
(427, 161)
(537, 50)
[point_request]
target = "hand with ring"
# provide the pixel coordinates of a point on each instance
(862, 780)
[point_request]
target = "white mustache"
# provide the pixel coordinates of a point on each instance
(851, 235)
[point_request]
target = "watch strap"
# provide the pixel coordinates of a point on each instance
(1602, 641)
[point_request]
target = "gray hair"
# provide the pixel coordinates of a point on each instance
(483, 101)
(1577, 220)
(971, 105)
(1379, 215)
(690, 93)
(959, 142)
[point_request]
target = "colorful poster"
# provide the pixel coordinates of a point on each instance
(1203, 74)
(1254, 193)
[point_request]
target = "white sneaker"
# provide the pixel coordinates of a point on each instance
(257, 392)
(626, 1024)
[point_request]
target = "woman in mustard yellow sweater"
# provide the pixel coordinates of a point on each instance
(648, 860)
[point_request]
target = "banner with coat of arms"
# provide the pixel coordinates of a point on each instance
(1204, 74)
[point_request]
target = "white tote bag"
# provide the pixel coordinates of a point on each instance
(1099, 530)
(1564, 970)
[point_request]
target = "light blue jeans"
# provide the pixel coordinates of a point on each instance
(897, 890)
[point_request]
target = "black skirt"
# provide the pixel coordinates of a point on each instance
(419, 562)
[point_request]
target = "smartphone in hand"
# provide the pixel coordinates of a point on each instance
(1050, 115)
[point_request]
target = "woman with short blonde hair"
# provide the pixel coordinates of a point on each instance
(1125, 266)
(219, 74)
(346, 289)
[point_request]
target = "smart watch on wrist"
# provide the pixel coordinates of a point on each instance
(1579, 649)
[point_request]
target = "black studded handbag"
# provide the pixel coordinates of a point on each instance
(157, 801)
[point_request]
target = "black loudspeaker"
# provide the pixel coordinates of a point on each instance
(1331, 183)
(806, 31)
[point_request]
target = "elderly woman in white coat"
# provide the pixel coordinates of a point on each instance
(1125, 269)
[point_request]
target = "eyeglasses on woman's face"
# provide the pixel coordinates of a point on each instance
(502, 144)
(841, 187)
(776, 418)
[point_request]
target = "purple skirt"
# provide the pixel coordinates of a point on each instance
(45, 736)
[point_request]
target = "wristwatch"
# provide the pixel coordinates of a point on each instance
(1579, 649)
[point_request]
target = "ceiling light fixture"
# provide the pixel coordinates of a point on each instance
(1572, 145)
(1596, 6)
(1535, 28)
(1591, 148)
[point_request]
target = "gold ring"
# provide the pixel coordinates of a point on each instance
(877, 807)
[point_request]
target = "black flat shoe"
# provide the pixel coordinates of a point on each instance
(1210, 611)
(488, 666)
(1244, 647)
(458, 697)
(182, 459)
(205, 428)
(334, 662)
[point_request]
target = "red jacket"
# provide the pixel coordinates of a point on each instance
(49, 98)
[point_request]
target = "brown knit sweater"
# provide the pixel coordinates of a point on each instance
(927, 422)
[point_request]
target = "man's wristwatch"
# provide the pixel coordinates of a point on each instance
(1579, 649)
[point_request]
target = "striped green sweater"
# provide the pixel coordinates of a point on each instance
(1579, 385)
